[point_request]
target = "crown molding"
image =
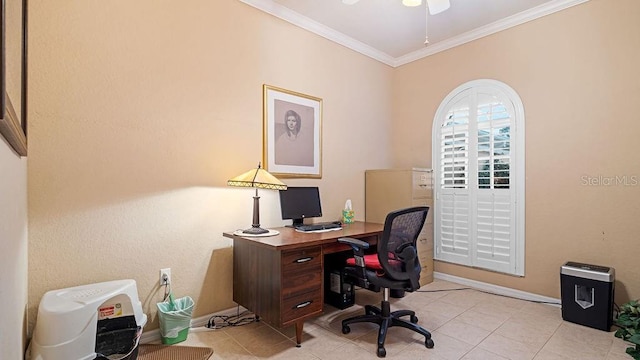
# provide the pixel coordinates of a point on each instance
(315, 27)
(489, 29)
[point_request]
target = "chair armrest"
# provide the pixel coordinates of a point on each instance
(359, 272)
(358, 247)
(354, 243)
(408, 254)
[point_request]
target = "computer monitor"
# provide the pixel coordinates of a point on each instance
(299, 203)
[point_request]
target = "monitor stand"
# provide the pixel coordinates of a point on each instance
(296, 222)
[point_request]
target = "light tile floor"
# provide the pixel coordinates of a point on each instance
(465, 324)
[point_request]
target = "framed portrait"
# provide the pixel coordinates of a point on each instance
(292, 133)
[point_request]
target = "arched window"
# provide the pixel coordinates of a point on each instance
(478, 161)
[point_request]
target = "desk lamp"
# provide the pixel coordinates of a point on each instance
(257, 178)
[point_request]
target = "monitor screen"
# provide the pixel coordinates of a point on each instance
(299, 203)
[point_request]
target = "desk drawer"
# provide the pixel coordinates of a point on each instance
(302, 305)
(308, 280)
(296, 261)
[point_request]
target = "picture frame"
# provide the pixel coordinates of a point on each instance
(292, 133)
(13, 74)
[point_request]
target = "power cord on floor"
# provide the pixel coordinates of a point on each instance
(491, 293)
(441, 290)
(222, 321)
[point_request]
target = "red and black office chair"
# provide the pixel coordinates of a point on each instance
(395, 266)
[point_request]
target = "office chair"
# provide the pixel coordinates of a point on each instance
(395, 266)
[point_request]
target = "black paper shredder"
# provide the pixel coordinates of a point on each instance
(587, 294)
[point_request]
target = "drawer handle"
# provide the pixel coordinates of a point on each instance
(304, 260)
(303, 304)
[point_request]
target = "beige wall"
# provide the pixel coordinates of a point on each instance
(13, 257)
(140, 113)
(577, 74)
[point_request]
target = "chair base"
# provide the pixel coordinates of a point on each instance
(386, 319)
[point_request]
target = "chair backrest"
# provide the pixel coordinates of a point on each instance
(397, 250)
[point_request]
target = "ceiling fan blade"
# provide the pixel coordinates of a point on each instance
(437, 6)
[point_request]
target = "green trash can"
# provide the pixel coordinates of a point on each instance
(175, 319)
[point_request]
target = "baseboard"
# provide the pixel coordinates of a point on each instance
(199, 322)
(500, 290)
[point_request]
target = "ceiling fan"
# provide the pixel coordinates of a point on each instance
(434, 6)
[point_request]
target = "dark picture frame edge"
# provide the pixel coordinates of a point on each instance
(12, 126)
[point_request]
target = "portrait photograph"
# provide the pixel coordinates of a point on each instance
(292, 133)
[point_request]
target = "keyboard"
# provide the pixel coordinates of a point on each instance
(320, 226)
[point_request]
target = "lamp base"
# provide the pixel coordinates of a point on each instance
(255, 231)
(267, 234)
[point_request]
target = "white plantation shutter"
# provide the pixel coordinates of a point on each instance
(494, 232)
(479, 164)
(453, 227)
(454, 145)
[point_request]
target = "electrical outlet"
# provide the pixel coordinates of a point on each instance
(165, 276)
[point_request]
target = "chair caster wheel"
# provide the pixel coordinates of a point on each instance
(414, 319)
(429, 344)
(346, 330)
(382, 352)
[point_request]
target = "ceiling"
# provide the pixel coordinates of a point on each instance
(395, 34)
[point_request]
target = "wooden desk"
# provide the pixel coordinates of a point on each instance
(280, 278)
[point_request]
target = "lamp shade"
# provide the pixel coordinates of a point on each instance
(258, 178)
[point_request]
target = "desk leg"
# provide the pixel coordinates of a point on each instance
(299, 325)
